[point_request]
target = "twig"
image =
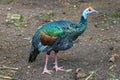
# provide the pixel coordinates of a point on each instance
(6, 77)
(6, 67)
(91, 74)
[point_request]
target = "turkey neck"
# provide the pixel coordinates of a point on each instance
(80, 28)
(83, 20)
(82, 24)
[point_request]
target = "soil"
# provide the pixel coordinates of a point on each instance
(91, 52)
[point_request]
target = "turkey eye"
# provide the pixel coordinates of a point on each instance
(90, 9)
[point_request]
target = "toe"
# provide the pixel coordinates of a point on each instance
(58, 68)
(46, 72)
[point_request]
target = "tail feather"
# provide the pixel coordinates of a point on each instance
(33, 55)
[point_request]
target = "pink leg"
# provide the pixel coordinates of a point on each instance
(56, 64)
(45, 68)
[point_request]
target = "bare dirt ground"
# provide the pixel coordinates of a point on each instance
(93, 50)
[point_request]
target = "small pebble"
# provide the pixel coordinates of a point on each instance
(9, 9)
(28, 66)
(114, 21)
(111, 48)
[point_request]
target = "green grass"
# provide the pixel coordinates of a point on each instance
(108, 16)
(10, 1)
(46, 15)
(113, 14)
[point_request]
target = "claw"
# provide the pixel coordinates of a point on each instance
(58, 68)
(46, 71)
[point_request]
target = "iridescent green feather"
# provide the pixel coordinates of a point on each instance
(53, 31)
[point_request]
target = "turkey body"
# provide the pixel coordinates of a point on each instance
(57, 35)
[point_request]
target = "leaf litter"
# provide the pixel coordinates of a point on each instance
(16, 20)
(11, 69)
(113, 58)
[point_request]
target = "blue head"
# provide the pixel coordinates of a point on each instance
(88, 11)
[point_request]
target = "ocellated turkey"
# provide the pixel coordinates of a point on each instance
(57, 36)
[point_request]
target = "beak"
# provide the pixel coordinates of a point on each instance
(95, 11)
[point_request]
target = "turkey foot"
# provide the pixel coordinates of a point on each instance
(46, 71)
(58, 68)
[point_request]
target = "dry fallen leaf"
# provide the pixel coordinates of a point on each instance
(80, 73)
(112, 67)
(113, 58)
